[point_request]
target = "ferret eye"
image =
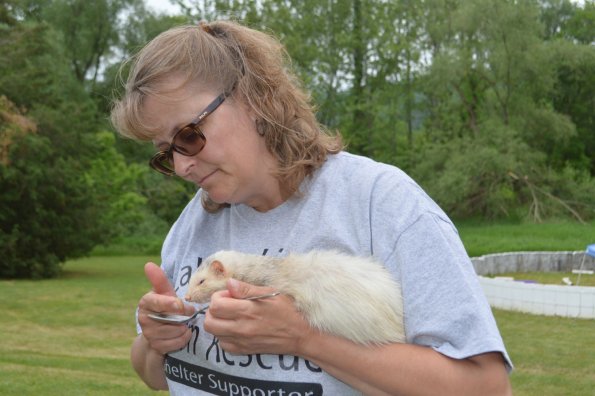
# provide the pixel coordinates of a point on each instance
(201, 282)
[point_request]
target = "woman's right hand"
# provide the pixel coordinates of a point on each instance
(162, 337)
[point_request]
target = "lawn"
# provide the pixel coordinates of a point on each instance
(552, 278)
(71, 335)
(553, 356)
(480, 239)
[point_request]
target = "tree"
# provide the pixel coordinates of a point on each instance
(117, 188)
(555, 15)
(46, 216)
(574, 60)
(89, 31)
(492, 76)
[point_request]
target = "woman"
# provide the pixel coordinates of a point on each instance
(225, 113)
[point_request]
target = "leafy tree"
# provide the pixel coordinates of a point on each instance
(89, 32)
(573, 57)
(555, 15)
(492, 77)
(51, 94)
(117, 188)
(581, 26)
(46, 216)
(52, 214)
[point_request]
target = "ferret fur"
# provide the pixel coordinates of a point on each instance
(349, 296)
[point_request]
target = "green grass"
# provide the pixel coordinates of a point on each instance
(71, 335)
(552, 356)
(551, 278)
(480, 239)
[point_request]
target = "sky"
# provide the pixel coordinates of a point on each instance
(162, 6)
(166, 6)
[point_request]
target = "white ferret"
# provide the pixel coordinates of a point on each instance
(349, 296)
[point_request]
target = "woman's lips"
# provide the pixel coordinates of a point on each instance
(201, 181)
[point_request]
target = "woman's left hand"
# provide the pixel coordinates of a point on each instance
(270, 325)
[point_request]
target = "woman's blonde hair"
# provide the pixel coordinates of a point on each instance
(225, 56)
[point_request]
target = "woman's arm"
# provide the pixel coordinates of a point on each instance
(149, 348)
(406, 369)
(148, 363)
(274, 326)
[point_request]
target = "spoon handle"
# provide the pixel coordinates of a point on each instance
(182, 319)
(259, 297)
(262, 296)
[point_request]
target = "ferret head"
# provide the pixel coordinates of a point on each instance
(211, 276)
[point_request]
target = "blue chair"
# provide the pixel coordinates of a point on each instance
(590, 251)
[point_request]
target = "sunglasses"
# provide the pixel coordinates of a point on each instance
(188, 141)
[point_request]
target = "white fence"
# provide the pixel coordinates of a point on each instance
(560, 300)
(570, 301)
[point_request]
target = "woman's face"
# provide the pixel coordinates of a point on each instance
(234, 166)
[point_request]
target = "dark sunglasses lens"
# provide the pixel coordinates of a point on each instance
(189, 140)
(162, 162)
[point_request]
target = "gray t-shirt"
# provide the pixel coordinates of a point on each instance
(355, 205)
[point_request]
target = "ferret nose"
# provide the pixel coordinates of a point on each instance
(187, 298)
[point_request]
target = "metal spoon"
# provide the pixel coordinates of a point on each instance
(183, 319)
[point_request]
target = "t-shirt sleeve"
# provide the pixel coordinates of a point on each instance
(444, 305)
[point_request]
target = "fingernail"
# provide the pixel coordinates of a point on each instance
(234, 285)
(179, 305)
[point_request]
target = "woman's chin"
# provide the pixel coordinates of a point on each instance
(217, 196)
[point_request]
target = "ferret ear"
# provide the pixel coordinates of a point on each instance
(218, 267)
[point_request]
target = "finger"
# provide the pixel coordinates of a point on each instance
(161, 286)
(155, 330)
(153, 302)
(167, 343)
(158, 280)
(238, 289)
(234, 346)
(220, 326)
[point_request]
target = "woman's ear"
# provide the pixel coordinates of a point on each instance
(260, 126)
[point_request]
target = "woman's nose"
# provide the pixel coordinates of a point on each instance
(183, 164)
